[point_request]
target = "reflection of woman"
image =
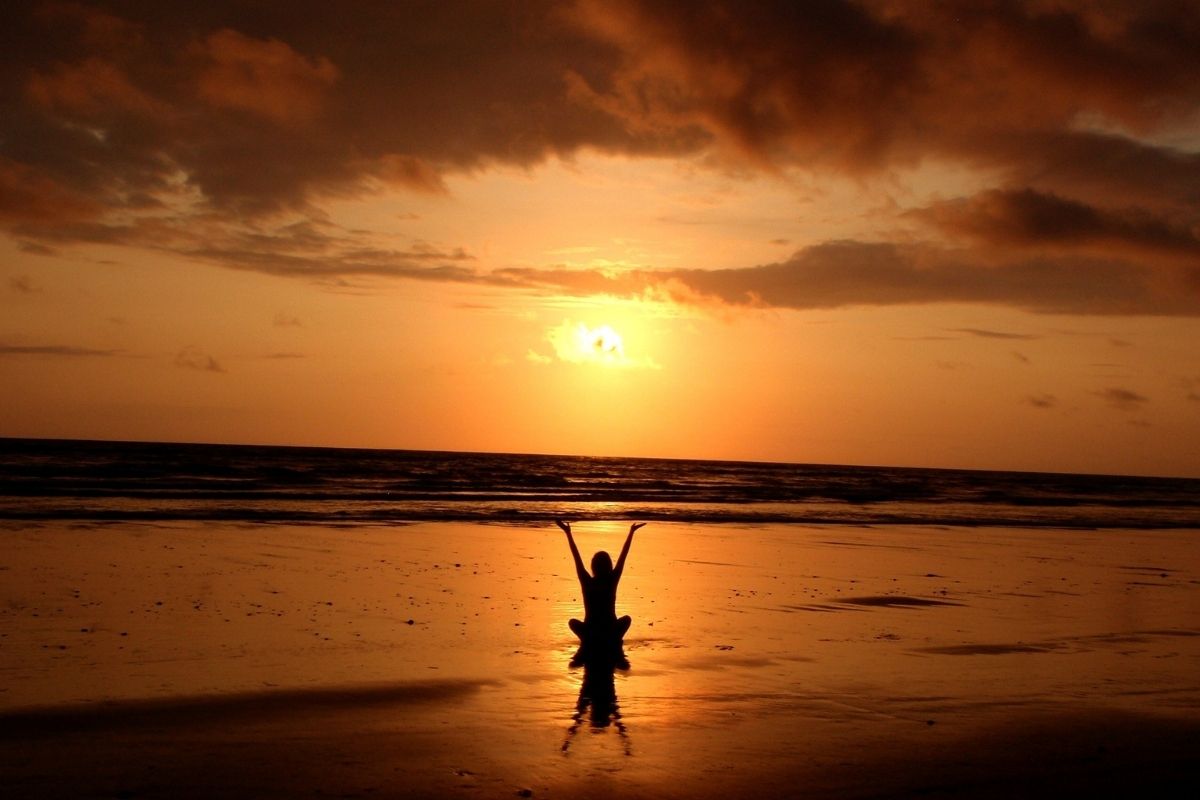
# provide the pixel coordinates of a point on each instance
(598, 704)
(600, 626)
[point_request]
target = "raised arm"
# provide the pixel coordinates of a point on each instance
(625, 551)
(579, 569)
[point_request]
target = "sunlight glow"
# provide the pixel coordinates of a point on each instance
(602, 343)
(579, 343)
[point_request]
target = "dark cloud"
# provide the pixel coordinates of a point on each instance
(1027, 218)
(987, 334)
(1042, 400)
(1095, 167)
(352, 261)
(825, 81)
(849, 273)
(305, 247)
(36, 249)
(1122, 399)
(266, 107)
(192, 357)
(22, 284)
(866, 85)
(69, 351)
(196, 129)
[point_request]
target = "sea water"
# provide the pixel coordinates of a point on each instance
(65, 479)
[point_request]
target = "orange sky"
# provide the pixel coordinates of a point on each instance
(867, 233)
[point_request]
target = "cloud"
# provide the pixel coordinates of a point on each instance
(830, 275)
(68, 351)
(283, 320)
(852, 273)
(297, 246)
(987, 334)
(88, 88)
(1122, 399)
(28, 195)
(864, 86)
(1025, 218)
(192, 357)
(21, 284)
(831, 83)
(1074, 162)
(309, 252)
(36, 249)
(768, 81)
(209, 131)
(253, 111)
(1042, 400)
(265, 77)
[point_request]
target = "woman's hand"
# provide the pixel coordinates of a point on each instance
(634, 527)
(566, 526)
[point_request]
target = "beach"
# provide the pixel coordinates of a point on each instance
(872, 324)
(200, 659)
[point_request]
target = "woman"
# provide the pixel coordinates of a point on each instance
(600, 630)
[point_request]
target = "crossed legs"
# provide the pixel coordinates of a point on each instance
(618, 629)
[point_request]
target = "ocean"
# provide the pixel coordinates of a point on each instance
(130, 481)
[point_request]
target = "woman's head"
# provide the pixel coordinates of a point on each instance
(602, 564)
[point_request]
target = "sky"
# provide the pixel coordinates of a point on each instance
(957, 234)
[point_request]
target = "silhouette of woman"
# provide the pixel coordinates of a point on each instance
(600, 633)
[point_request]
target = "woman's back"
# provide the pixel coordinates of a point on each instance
(599, 599)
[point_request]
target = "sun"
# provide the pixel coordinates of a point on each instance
(600, 344)
(580, 343)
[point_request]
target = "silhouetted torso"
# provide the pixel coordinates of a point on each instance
(599, 600)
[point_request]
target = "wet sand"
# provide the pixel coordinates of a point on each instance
(217, 660)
